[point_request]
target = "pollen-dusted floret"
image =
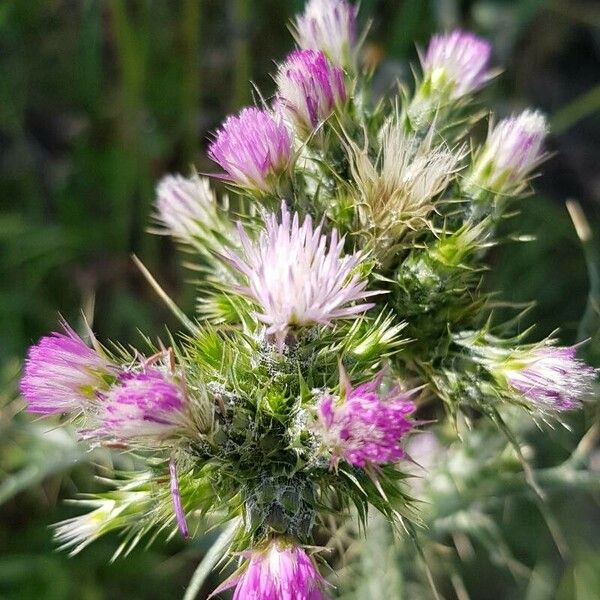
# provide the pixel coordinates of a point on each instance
(254, 148)
(298, 276)
(309, 89)
(457, 63)
(366, 426)
(62, 374)
(329, 26)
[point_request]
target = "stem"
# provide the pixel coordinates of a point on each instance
(211, 558)
(590, 322)
(580, 108)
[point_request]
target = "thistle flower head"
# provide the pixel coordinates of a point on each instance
(457, 63)
(281, 571)
(366, 427)
(329, 26)
(395, 193)
(550, 377)
(141, 405)
(62, 374)
(513, 149)
(254, 147)
(309, 88)
(298, 276)
(184, 205)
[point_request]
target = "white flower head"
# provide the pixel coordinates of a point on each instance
(185, 205)
(298, 276)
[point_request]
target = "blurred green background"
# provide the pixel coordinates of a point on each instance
(100, 98)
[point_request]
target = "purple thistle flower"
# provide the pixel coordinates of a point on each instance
(141, 405)
(254, 147)
(329, 26)
(309, 88)
(366, 427)
(457, 62)
(298, 276)
(513, 149)
(185, 205)
(552, 378)
(62, 374)
(281, 571)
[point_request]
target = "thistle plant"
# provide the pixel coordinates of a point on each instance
(343, 312)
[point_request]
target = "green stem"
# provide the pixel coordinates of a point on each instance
(212, 557)
(550, 480)
(580, 108)
(589, 327)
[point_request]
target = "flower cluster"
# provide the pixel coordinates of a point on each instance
(63, 375)
(361, 237)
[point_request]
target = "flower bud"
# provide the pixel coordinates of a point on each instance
(456, 64)
(514, 148)
(309, 89)
(550, 377)
(184, 205)
(255, 149)
(329, 26)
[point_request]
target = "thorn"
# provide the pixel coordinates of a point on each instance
(580, 222)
